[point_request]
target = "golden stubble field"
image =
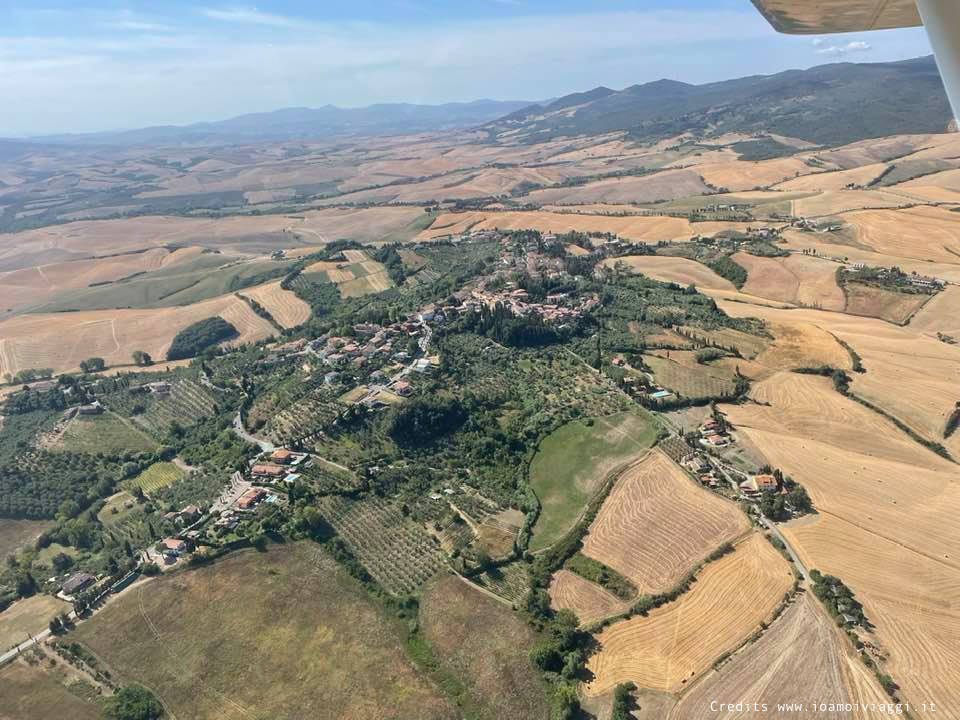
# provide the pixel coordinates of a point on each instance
(920, 233)
(589, 601)
(636, 228)
(740, 175)
(887, 505)
(796, 279)
(802, 658)
(62, 340)
(33, 285)
(910, 373)
(673, 269)
(668, 648)
(657, 524)
(285, 307)
(910, 597)
(96, 238)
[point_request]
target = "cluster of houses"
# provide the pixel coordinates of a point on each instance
(642, 386)
(811, 226)
(714, 434)
(278, 466)
(370, 341)
(557, 308)
(753, 487)
(242, 497)
(926, 283)
(702, 470)
(185, 517)
(921, 282)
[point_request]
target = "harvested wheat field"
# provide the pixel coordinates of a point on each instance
(374, 281)
(940, 315)
(870, 301)
(61, 340)
(89, 238)
(796, 344)
(741, 175)
(833, 202)
(835, 180)
(909, 374)
(797, 240)
(921, 233)
(636, 228)
(911, 503)
(673, 644)
(673, 269)
(336, 272)
(875, 150)
(927, 193)
(285, 307)
(948, 180)
(666, 185)
(801, 658)
(657, 524)
(808, 407)
(31, 286)
(910, 597)
(796, 279)
(589, 601)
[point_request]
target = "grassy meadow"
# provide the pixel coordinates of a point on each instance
(572, 463)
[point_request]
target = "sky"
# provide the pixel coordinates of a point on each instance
(84, 65)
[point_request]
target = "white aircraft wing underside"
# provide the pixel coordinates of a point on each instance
(811, 17)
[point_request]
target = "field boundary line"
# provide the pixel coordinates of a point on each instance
(780, 610)
(609, 483)
(485, 591)
(899, 544)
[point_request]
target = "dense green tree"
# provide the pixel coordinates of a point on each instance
(94, 364)
(142, 358)
(133, 702)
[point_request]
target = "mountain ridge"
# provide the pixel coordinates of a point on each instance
(827, 104)
(305, 123)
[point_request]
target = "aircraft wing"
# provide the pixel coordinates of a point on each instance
(813, 17)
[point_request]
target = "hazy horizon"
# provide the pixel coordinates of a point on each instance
(124, 66)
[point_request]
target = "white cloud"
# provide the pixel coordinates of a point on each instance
(850, 47)
(137, 26)
(252, 16)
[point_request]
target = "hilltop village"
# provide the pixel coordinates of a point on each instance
(550, 437)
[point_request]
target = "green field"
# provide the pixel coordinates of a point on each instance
(40, 693)
(485, 646)
(572, 463)
(206, 276)
(158, 475)
(107, 433)
(280, 634)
